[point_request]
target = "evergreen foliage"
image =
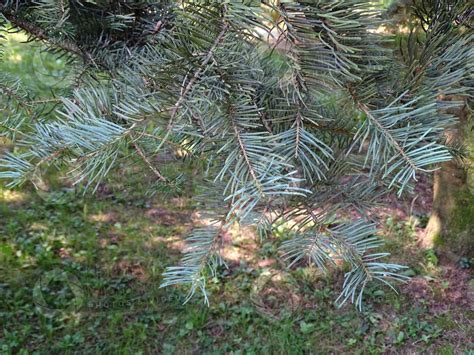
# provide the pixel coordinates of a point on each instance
(300, 112)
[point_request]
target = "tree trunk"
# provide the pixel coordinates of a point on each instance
(451, 224)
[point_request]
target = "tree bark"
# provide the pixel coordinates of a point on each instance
(451, 224)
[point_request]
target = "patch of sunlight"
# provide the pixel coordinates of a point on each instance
(198, 219)
(4, 141)
(38, 226)
(241, 233)
(12, 196)
(235, 254)
(384, 29)
(381, 29)
(403, 29)
(172, 242)
(101, 217)
(17, 36)
(15, 58)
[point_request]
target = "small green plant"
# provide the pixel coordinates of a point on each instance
(466, 263)
(430, 258)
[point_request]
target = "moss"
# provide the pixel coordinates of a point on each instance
(457, 202)
(438, 240)
(469, 144)
(464, 213)
(461, 226)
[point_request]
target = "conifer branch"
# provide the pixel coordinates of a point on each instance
(39, 34)
(298, 132)
(269, 126)
(196, 75)
(148, 162)
(388, 135)
(243, 150)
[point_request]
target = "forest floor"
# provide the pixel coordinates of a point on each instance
(81, 274)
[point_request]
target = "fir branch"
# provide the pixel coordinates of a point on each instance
(387, 134)
(148, 162)
(298, 122)
(196, 75)
(202, 245)
(243, 150)
(39, 34)
(268, 126)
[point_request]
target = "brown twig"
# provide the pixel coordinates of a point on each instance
(41, 35)
(148, 162)
(196, 75)
(385, 132)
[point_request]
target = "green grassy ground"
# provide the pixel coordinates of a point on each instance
(81, 275)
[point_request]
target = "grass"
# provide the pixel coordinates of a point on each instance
(81, 274)
(35, 67)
